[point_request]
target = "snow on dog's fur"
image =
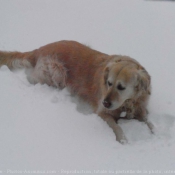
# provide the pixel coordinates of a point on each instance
(110, 84)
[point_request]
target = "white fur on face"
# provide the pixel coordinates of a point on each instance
(121, 95)
(127, 92)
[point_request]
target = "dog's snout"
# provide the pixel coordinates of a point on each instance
(107, 104)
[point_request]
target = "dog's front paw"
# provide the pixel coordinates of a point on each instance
(122, 139)
(123, 142)
(151, 127)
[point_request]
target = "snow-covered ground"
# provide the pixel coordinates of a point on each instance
(46, 131)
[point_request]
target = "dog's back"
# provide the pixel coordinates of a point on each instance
(65, 50)
(63, 63)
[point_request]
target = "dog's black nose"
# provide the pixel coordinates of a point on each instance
(106, 103)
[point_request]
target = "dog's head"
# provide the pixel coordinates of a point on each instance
(123, 79)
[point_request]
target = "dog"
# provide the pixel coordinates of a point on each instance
(115, 86)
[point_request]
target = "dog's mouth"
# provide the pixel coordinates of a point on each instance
(107, 104)
(110, 106)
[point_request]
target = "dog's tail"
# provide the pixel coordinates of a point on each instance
(16, 60)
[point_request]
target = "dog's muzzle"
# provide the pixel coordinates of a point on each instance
(107, 104)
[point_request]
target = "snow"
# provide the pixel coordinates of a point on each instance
(47, 131)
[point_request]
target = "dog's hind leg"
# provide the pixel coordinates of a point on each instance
(57, 72)
(48, 70)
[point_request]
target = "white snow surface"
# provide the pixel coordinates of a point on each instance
(47, 131)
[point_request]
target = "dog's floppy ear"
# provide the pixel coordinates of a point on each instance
(106, 71)
(143, 80)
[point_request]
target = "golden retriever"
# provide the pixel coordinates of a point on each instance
(113, 85)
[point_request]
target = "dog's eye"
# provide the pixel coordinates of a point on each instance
(109, 83)
(120, 87)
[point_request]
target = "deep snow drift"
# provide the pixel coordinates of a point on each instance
(44, 130)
